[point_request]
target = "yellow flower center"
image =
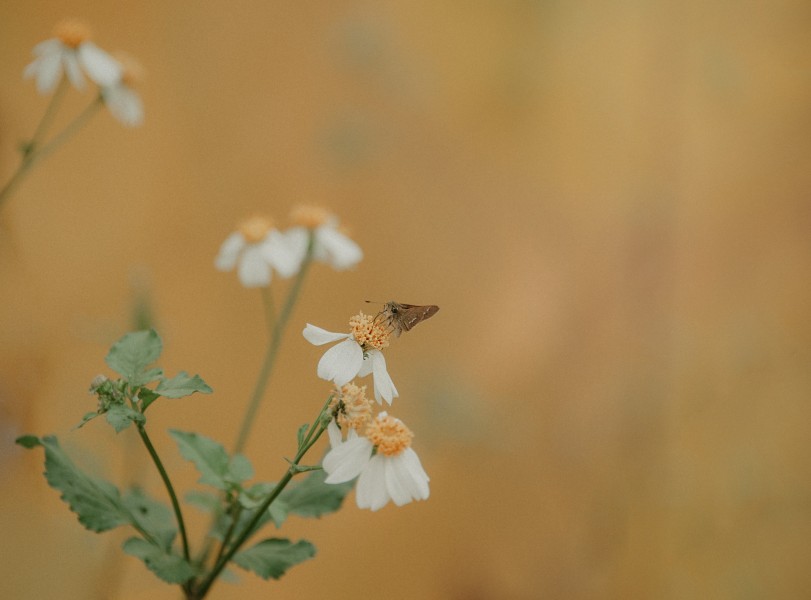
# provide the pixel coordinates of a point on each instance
(351, 407)
(72, 32)
(255, 229)
(369, 332)
(389, 435)
(309, 216)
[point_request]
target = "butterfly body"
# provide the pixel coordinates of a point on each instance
(402, 317)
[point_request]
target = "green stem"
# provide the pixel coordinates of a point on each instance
(33, 154)
(201, 591)
(272, 351)
(169, 488)
(47, 117)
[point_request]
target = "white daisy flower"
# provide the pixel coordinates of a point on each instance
(255, 250)
(330, 246)
(356, 356)
(121, 98)
(71, 51)
(387, 467)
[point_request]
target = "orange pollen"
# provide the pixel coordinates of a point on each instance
(351, 407)
(309, 216)
(72, 32)
(368, 332)
(255, 229)
(389, 435)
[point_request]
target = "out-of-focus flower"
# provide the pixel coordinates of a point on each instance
(358, 354)
(121, 98)
(71, 51)
(388, 468)
(255, 249)
(330, 245)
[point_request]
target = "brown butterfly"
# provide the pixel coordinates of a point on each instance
(402, 317)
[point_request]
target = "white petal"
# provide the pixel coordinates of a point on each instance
(229, 252)
(340, 364)
(334, 433)
(318, 337)
(47, 69)
(383, 385)
(371, 489)
(124, 104)
(279, 254)
(99, 66)
(413, 479)
(253, 269)
(341, 252)
(72, 69)
(348, 460)
(296, 240)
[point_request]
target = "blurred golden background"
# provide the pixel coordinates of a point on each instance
(608, 201)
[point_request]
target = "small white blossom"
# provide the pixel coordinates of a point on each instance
(357, 355)
(330, 245)
(393, 472)
(71, 51)
(255, 250)
(121, 98)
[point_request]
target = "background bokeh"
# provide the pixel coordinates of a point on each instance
(608, 201)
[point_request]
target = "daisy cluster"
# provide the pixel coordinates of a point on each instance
(257, 248)
(375, 449)
(71, 53)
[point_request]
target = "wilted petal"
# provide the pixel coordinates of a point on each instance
(318, 337)
(371, 489)
(253, 269)
(341, 363)
(99, 66)
(229, 252)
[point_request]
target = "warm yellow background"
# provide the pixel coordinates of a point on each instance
(608, 200)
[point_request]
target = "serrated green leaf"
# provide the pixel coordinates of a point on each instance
(272, 557)
(169, 567)
(152, 516)
(311, 497)
(147, 397)
(208, 456)
(182, 385)
(28, 441)
(96, 502)
(239, 469)
(130, 356)
(120, 416)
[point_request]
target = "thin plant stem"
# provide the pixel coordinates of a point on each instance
(272, 351)
(47, 117)
(225, 557)
(33, 153)
(169, 488)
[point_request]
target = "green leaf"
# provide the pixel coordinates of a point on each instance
(169, 567)
(311, 497)
(152, 516)
(208, 456)
(272, 557)
(239, 469)
(202, 500)
(130, 355)
(255, 495)
(28, 441)
(182, 385)
(87, 418)
(120, 416)
(301, 434)
(147, 397)
(96, 502)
